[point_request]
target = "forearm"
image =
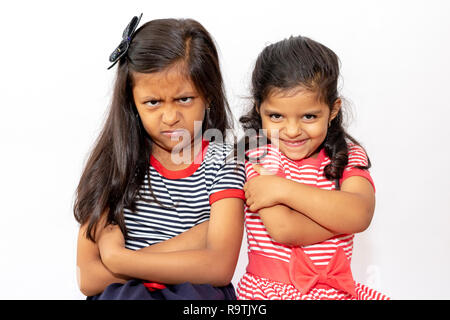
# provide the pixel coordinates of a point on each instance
(339, 211)
(94, 277)
(195, 266)
(194, 238)
(290, 227)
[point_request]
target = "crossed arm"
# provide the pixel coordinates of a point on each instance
(207, 253)
(297, 214)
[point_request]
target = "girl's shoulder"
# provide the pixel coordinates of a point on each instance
(358, 164)
(219, 151)
(357, 156)
(222, 156)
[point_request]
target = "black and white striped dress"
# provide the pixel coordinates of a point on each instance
(184, 196)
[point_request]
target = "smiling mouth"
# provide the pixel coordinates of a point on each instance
(294, 144)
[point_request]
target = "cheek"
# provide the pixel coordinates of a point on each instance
(318, 131)
(192, 120)
(271, 128)
(150, 123)
(194, 115)
(269, 125)
(264, 123)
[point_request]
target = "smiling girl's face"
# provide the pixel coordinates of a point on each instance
(300, 119)
(168, 105)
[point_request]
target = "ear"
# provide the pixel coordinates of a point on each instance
(258, 109)
(208, 104)
(335, 109)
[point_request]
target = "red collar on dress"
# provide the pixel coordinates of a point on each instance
(178, 174)
(312, 161)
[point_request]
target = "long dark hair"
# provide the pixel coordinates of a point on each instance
(300, 61)
(119, 161)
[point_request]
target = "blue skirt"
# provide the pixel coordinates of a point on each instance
(135, 290)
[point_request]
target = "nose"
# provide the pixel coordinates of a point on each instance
(293, 130)
(170, 116)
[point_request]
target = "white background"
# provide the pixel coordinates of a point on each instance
(55, 90)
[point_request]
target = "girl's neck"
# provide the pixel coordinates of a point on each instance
(174, 161)
(315, 159)
(314, 155)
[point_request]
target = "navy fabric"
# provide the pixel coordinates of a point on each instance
(135, 290)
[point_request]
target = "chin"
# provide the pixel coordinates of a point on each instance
(294, 156)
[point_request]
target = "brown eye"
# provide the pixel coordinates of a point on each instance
(186, 100)
(275, 117)
(309, 116)
(153, 103)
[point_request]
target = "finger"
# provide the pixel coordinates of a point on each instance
(257, 168)
(263, 171)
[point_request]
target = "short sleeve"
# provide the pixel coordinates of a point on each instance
(228, 182)
(356, 157)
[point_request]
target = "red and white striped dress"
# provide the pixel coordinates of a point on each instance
(309, 171)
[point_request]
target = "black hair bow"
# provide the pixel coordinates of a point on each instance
(122, 48)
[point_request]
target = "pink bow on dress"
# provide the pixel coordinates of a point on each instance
(304, 275)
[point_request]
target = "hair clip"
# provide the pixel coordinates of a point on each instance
(122, 48)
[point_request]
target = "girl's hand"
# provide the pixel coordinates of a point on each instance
(264, 190)
(110, 242)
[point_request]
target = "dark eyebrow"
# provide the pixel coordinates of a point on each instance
(267, 111)
(179, 96)
(314, 112)
(185, 95)
(150, 98)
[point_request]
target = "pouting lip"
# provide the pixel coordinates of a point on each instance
(173, 131)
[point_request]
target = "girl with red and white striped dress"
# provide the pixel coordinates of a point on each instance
(310, 190)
